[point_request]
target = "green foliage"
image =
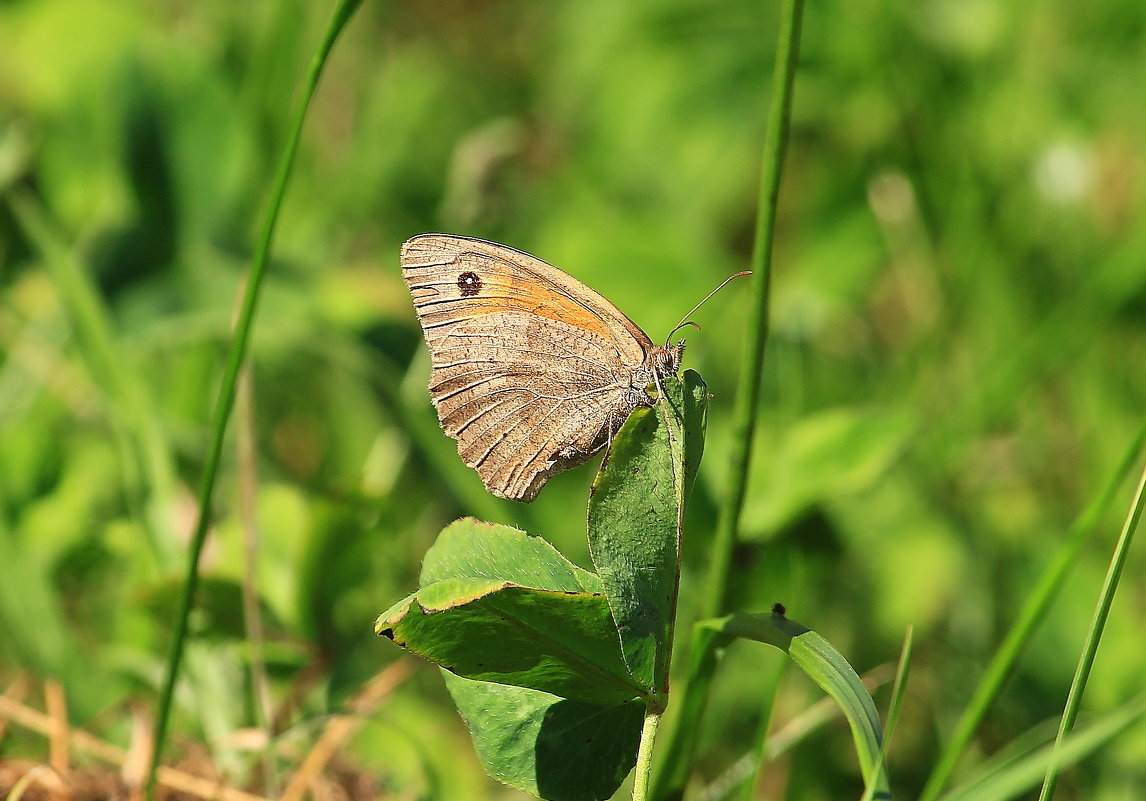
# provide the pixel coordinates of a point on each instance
(552, 666)
(563, 643)
(560, 653)
(524, 737)
(829, 669)
(958, 325)
(636, 509)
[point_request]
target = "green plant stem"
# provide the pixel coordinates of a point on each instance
(898, 688)
(226, 398)
(1094, 635)
(644, 767)
(893, 708)
(681, 734)
(746, 412)
(1032, 613)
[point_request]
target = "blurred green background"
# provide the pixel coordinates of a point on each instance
(956, 362)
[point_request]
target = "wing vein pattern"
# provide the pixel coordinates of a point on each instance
(532, 370)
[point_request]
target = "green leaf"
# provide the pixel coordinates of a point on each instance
(551, 747)
(469, 548)
(828, 668)
(636, 509)
(529, 639)
(560, 642)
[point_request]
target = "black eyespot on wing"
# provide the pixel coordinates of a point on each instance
(469, 284)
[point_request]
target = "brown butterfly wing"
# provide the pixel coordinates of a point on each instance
(531, 369)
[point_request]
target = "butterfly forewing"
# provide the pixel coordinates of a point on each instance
(531, 368)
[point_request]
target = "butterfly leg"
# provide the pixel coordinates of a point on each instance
(569, 453)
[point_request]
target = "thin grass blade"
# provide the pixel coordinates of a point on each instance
(1094, 635)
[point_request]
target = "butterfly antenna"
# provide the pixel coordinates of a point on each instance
(685, 321)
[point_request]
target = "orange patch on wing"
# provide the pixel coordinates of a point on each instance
(517, 295)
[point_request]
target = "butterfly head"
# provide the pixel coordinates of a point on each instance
(665, 360)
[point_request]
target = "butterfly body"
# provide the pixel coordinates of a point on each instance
(533, 372)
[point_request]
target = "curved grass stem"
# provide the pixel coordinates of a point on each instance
(1094, 635)
(226, 399)
(670, 780)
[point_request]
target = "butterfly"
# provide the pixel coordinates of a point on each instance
(533, 372)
